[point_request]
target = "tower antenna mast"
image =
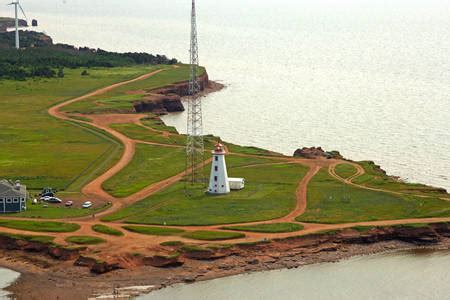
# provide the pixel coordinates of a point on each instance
(195, 148)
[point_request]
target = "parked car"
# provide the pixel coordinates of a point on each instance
(48, 191)
(69, 203)
(87, 204)
(45, 198)
(53, 200)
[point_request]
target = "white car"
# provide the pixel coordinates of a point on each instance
(45, 198)
(53, 200)
(87, 204)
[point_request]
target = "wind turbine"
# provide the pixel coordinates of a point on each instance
(17, 6)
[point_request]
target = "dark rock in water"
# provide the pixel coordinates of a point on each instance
(316, 152)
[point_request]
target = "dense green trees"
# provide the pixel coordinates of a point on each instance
(41, 58)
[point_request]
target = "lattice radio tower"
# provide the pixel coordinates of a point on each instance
(195, 153)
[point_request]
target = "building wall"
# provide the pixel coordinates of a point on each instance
(12, 204)
(218, 182)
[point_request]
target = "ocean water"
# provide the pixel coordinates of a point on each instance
(367, 77)
(6, 278)
(405, 276)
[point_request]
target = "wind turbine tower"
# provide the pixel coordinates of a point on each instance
(16, 7)
(195, 145)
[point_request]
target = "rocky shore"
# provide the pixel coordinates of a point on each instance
(169, 99)
(49, 277)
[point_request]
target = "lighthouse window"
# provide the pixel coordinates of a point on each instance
(215, 178)
(216, 158)
(216, 168)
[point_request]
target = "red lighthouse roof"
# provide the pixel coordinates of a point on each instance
(219, 148)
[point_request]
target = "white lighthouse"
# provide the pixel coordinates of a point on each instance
(219, 182)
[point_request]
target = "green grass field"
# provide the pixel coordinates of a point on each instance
(213, 235)
(269, 193)
(41, 150)
(30, 238)
(150, 164)
(157, 124)
(120, 100)
(106, 230)
(267, 228)
(141, 133)
(331, 201)
(345, 170)
(377, 179)
(150, 230)
(39, 226)
(84, 240)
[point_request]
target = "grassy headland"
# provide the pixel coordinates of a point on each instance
(375, 177)
(332, 201)
(122, 98)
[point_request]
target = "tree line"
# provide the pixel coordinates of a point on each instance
(39, 57)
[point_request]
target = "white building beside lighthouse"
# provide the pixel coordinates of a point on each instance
(219, 182)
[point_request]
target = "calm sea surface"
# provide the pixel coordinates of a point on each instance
(6, 278)
(390, 276)
(370, 78)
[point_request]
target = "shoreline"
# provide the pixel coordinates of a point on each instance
(43, 278)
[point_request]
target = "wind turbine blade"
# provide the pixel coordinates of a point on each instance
(21, 9)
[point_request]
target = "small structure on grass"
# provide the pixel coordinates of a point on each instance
(236, 183)
(13, 197)
(219, 182)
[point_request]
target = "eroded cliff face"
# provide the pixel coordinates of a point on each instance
(168, 99)
(53, 251)
(265, 255)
